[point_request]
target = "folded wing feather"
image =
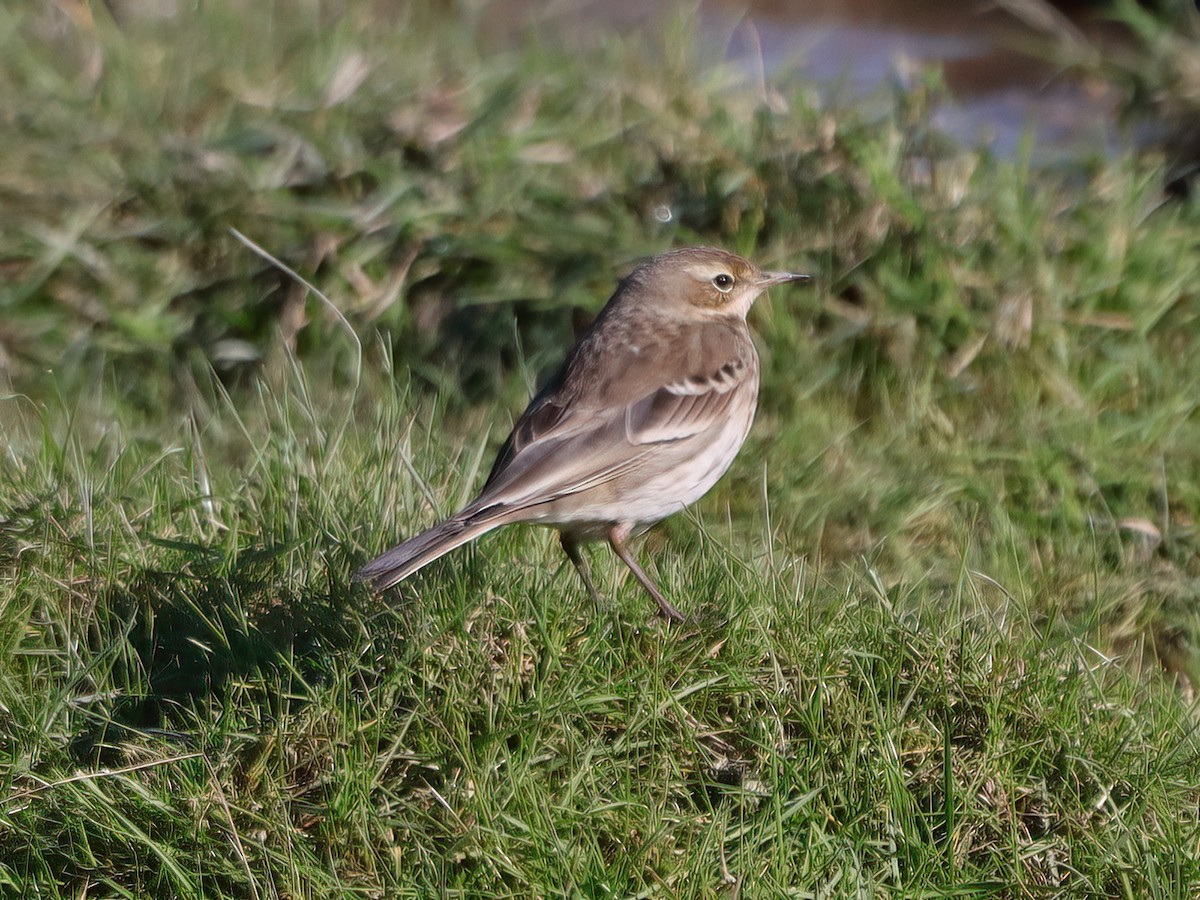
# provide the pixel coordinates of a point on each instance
(560, 448)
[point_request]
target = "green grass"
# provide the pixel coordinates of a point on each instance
(943, 607)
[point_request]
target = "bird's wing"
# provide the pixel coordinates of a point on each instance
(607, 410)
(688, 406)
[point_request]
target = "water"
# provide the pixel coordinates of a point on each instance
(1002, 89)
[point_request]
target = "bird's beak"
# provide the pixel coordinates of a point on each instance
(770, 278)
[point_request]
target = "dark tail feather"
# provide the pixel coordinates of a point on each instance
(400, 562)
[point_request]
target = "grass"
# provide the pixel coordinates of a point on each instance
(944, 605)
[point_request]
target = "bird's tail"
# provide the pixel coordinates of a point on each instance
(401, 561)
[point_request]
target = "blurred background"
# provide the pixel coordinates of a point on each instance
(213, 116)
(1006, 65)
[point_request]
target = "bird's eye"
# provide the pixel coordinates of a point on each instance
(723, 283)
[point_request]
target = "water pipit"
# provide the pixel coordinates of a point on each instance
(647, 412)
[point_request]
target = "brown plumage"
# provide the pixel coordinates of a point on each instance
(645, 415)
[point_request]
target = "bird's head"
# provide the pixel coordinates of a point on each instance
(704, 282)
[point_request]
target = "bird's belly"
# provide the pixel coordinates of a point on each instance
(670, 478)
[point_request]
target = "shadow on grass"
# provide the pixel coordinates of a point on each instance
(215, 626)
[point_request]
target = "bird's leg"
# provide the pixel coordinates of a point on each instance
(617, 535)
(579, 561)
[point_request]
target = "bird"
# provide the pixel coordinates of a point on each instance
(645, 415)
